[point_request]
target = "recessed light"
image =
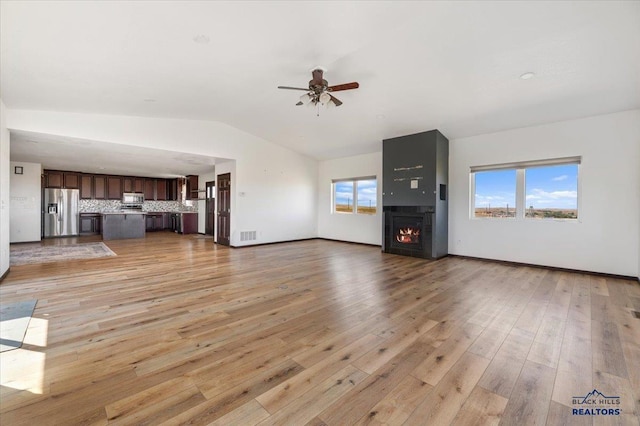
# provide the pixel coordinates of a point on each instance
(201, 39)
(527, 75)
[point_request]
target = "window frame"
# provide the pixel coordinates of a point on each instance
(355, 181)
(521, 200)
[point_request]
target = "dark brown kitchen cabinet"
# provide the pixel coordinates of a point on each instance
(161, 190)
(172, 190)
(53, 179)
(155, 222)
(150, 189)
(100, 187)
(71, 180)
(192, 187)
(138, 185)
(86, 187)
(114, 185)
(90, 223)
(189, 223)
(58, 179)
(127, 184)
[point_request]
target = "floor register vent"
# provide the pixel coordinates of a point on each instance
(247, 235)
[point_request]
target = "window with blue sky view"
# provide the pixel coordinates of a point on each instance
(549, 192)
(552, 192)
(355, 196)
(495, 193)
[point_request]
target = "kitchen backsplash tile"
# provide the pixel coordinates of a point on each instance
(91, 206)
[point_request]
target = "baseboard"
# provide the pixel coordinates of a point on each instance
(551, 268)
(349, 242)
(307, 239)
(5, 274)
(274, 242)
(27, 242)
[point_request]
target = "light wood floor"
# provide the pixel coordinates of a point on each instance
(177, 330)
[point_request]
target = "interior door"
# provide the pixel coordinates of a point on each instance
(210, 207)
(224, 209)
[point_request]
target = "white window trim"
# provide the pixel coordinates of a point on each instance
(521, 196)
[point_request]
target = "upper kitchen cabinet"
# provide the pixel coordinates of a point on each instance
(100, 187)
(71, 180)
(114, 187)
(86, 187)
(59, 179)
(172, 190)
(138, 184)
(127, 184)
(53, 179)
(192, 187)
(111, 187)
(150, 189)
(161, 189)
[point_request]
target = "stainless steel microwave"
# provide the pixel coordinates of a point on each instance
(132, 198)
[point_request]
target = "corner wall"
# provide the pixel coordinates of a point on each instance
(356, 228)
(605, 239)
(26, 202)
(4, 191)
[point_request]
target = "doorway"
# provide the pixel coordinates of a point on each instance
(224, 209)
(210, 205)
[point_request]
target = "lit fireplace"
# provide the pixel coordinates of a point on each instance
(408, 235)
(408, 231)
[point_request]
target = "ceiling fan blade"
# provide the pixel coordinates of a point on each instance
(299, 103)
(346, 86)
(336, 101)
(293, 88)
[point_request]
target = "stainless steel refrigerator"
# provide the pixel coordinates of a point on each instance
(61, 212)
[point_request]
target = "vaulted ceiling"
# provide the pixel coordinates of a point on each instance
(454, 66)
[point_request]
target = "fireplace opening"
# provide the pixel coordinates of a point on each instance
(408, 235)
(408, 231)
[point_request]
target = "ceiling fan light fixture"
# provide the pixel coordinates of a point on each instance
(331, 104)
(324, 98)
(306, 98)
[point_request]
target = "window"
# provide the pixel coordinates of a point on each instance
(495, 194)
(552, 192)
(358, 195)
(545, 189)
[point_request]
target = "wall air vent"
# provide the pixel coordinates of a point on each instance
(247, 236)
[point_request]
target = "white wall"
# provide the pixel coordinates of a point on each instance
(349, 227)
(604, 239)
(202, 204)
(4, 191)
(279, 185)
(26, 199)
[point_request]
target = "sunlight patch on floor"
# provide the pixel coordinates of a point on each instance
(23, 369)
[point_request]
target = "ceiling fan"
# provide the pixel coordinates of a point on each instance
(319, 91)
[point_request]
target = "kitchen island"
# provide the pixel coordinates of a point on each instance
(123, 224)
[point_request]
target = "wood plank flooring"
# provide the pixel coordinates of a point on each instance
(176, 330)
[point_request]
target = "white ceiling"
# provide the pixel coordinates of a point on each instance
(453, 66)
